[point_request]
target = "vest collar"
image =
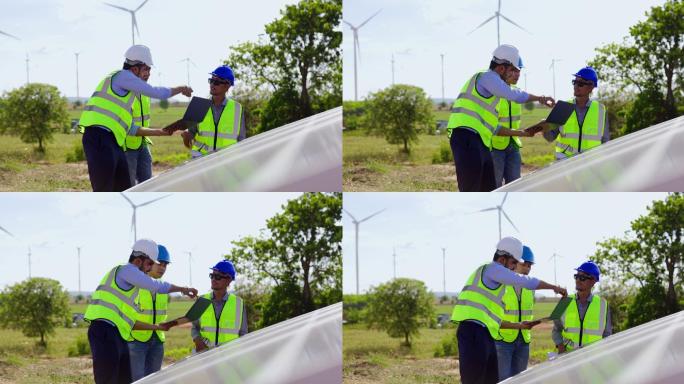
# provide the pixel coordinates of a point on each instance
(225, 297)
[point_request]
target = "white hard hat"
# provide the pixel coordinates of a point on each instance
(507, 54)
(511, 246)
(148, 247)
(139, 53)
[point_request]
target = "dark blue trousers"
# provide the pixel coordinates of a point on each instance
(111, 362)
(474, 164)
(107, 164)
(477, 359)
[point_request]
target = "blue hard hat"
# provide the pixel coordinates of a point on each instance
(588, 73)
(163, 254)
(527, 254)
(590, 268)
(225, 73)
(225, 267)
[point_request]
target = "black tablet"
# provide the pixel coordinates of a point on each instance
(197, 110)
(560, 113)
(198, 308)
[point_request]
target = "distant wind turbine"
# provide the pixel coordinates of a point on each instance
(135, 207)
(189, 266)
(187, 66)
(356, 228)
(553, 68)
(499, 208)
(498, 14)
(357, 49)
(554, 257)
(134, 22)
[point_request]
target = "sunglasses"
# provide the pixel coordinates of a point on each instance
(582, 277)
(216, 276)
(218, 82)
(580, 83)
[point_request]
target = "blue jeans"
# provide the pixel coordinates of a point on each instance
(507, 164)
(146, 358)
(512, 357)
(139, 164)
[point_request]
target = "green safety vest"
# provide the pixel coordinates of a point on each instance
(474, 111)
(479, 302)
(107, 109)
(153, 308)
(509, 117)
(211, 137)
(141, 117)
(581, 332)
(517, 309)
(112, 303)
(227, 326)
(575, 138)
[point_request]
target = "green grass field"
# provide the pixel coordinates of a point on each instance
(24, 169)
(371, 164)
(371, 356)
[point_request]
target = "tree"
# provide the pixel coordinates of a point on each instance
(300, 61)
(653, 251)
(299, 255)
(651, 60)
(400, 307)
(353, 112)
(35, 306)
(34, 112)
(398, 113)
(164, 104)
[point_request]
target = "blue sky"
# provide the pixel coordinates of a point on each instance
(418, 31)
(52, 30)
(54, 224)
(418, 225)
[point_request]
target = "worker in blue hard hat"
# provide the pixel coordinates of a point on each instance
(588, 125)
(225, 319)
(513, 350)
(224, 123)
(587, 319)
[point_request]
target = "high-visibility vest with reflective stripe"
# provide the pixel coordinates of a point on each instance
(579, 333)
(474, 111)
(591, 131)
(153, 308)
(509, 117)
(227, 327)
(517, 309)
(479, 302)
(107, 109)
(112, 303)
(211, 137)
(141, 117)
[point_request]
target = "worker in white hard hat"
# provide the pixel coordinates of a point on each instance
(474, 119)
(479, 311)
(107, 119)
(113, 312)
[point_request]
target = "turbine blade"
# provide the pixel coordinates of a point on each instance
(368, 19)
(358, 45)
(349, 24)
(350, 215)
(509, 220)
(152, 201)
(483, 23)
(504, 199)
(121, 8)
(7, 34)
(135, 23)
(127, 199)
(141, 5)
(487, 209)
(514, 23)
(6, 231)
(375, 214)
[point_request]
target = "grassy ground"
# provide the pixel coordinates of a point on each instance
(371, 356)
(22, 168)
(371, 164)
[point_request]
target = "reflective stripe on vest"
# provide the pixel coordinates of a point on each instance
(153, 309)
(107, 109)
(141, 117)
(509, 117)
(591, 327)
(114, 304)
(516, 311)
(591, 131)
(474, 111)
(211, 137)
(478, 302)
(227, 327)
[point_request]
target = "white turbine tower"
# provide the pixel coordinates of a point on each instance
(499, 208)
(189, 266)
(357, 49)
(356, 229)
(134, 228)
(134, 22)
(554, 257)
(187, 67)
(498, 14)
(552, 67)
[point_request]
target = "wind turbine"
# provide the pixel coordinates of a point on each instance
(78, 98)
(78, 249)
(554, 257)
(29, 261)
(135, 207)
(553, 68)
(394, 256)
(187, 65)
(442, 55)
(356, 228)
(8, 35)
(498, 14)
(134, 22)
(501, 210)
(190, 265)
(404, 52)
(444, 270)
(357, 47)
